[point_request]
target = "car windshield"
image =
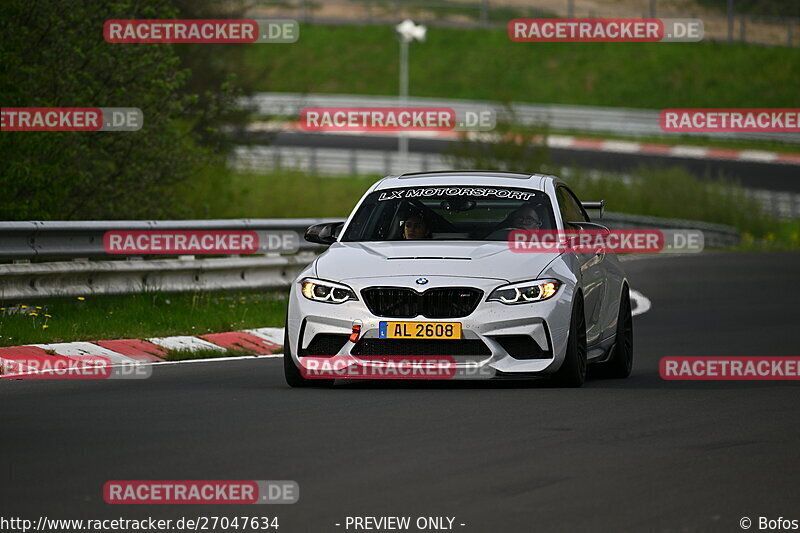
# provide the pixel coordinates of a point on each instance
(461, 213)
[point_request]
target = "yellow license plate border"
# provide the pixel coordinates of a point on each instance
(385, 325)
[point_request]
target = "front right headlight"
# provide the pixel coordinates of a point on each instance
(330, 292)
(525, 292)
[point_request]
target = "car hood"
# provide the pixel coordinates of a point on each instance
(488, 260)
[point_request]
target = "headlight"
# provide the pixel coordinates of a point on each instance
(326, 291)
(525, 291)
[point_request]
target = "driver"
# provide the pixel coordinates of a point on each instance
(416, 227)
(525, 217)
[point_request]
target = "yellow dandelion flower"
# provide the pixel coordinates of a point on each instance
(45, 326)
(23, 306)
(81, 298)
(38, 307)
(34, 314)
(48, 316)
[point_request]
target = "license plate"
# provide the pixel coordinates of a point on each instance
(419, 330)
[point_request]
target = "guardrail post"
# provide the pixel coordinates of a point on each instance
(303, 11)
(353, 163)
(730, 21)
(743, 29)
(313, 160)
(570, 8)
(652, 9)
(387, 163)
(789, 34)
(484, 12)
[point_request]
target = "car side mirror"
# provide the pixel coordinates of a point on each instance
(601, 206)
(326, 233)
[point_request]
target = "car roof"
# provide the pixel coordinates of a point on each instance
(465, 177)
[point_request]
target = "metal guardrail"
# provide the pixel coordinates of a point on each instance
(614, 120)
(58, 239)
(82, 278)
(715, 235)
(189, 273)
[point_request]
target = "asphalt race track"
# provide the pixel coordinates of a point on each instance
(635, 455)
(751, 174)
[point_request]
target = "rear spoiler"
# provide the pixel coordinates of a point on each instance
(601, 205)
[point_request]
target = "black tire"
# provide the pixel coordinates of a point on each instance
(294, 378)
(573, 370)
(620, 364)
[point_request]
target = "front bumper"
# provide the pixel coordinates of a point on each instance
(489, 325)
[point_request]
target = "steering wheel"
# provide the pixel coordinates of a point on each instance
(501, 232)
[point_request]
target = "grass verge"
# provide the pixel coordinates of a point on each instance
(138, 316)
(486, 64)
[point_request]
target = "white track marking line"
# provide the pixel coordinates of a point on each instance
(217, 359)
(643, 304)
(157, 363)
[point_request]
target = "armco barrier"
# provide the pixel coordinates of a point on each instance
(57, 239)
(614, 120)
(80, 278)
(38, 240)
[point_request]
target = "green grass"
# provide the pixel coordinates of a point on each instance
(138, 316)
(449, 10)
(219, 193)
(674, 193)
(485, 64)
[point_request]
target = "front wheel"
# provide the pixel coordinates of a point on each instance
(573, 370)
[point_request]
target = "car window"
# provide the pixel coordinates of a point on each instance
(571, 209)
(449, 213)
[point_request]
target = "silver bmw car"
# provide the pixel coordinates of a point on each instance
(423, 267)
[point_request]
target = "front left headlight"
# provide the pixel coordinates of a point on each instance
(330, 292)
(525, 291)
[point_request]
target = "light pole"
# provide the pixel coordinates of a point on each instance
(407, 31)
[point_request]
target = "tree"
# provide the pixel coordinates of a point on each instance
(52, 54)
